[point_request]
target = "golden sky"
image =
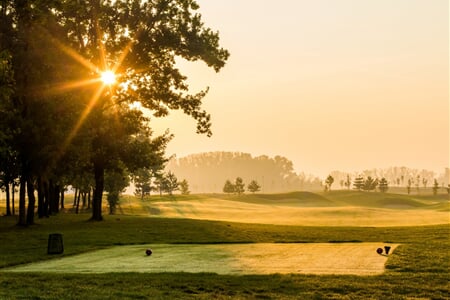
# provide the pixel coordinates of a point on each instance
(330, 84)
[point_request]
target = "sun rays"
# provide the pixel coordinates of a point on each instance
(101, 80)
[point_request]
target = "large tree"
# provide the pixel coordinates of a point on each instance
(141, 41)
(72, 43)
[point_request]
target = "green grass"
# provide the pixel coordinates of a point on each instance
(418, 269)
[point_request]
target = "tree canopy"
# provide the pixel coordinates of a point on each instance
(52, 55)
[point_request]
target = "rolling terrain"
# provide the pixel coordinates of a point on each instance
(336, 208)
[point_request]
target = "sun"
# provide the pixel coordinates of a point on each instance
(108, 77)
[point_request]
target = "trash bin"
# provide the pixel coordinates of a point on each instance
(55, 244)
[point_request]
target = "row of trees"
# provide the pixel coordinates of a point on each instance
(238, 187)
(398, 176)
(206, 172)
(369, 184)
(60, 125)
(360, 183)
(162, 183)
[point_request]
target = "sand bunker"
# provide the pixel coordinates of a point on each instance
(237, 259)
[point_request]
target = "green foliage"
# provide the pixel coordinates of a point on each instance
(239, 186)
(370, 184)
(116, 180)
(228, 188)
(169, 183)
(184, 187)
(383, 185)
(63, 114)
(435, 187)
(253, 186)
(328, 182)
(142, 179)
(358, 183)
(347, 182)
(207, 172)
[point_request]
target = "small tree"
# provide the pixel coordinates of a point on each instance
(253, 187)
(347, 183)
(115, 183)
(328, 182)
(170, 183)
(142, 182)
(184, 187)
(418, 184)
(239, 186)
(383, 185)
(228, 188)
(370, 184)
(408, 186)
(358, 183)
(435, 187)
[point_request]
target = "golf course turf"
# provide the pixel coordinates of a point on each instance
(417, 269)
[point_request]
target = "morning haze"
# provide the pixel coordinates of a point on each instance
(332, 85)
(329, 154)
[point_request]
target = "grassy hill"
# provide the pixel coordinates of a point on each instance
(338, 208)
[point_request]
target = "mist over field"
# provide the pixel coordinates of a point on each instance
(207, 173)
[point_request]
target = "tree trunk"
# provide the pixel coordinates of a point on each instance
(8, 203)
(51, 196)
(46, 199)
(99, 176)
(12, 198)
(56, 189)
(41, 196)
(31, 202)
(62, 197)
(77, 202)
(22, 211)
(83, 197)
(75, 198)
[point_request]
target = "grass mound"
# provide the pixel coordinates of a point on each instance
(297, 198)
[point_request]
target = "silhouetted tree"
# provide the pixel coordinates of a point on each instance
(239, 186)
(347, 182)
(170, 183)
(253, 186)
(116, 180)
(328, 182)
(435, 187)
(370, 184)
(408, 186)
(184, 187)
(383, 185)
(142, 179)
(358, 183)
(228, 188)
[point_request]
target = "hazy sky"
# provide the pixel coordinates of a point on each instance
(330, 84)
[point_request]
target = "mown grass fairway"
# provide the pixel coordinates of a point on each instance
(337, 208)
(418, 268)
(233, 259)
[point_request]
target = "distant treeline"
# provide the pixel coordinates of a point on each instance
(396, 176)
(207, 172)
